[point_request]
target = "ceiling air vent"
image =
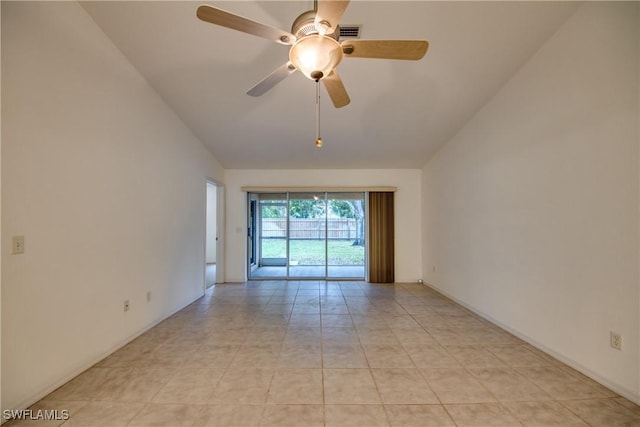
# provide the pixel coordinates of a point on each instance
(350, 31)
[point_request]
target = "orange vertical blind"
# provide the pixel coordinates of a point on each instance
(381, 237)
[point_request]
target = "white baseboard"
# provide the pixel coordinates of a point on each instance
(26, 403)
(622, 391)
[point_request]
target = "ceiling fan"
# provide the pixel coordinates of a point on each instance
(315, 49)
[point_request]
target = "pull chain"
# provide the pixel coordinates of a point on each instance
(318, 138)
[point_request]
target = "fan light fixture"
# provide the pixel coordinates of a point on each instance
(316, 56)
(315, 47)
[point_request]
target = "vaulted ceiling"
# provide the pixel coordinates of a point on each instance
(400, 113)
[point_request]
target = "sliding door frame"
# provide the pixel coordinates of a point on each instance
(256, 235)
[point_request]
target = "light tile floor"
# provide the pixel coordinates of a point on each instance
(332, 354)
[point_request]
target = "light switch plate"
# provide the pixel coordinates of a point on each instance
(17, 245)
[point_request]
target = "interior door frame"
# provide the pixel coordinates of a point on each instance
(220, 232)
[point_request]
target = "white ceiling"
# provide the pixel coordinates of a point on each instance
(401, 112)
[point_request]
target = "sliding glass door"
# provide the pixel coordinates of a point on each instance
(268, 235)
(345, 235)
(306, 235)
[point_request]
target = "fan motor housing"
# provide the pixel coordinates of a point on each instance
(304, 25)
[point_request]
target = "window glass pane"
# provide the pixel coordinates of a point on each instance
(271, 235)
(307, 245)
(345, 235)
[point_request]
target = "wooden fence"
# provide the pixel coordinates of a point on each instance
(310, 228)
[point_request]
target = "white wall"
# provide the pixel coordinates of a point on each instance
(531, 211)
(212, 211)
(1, 242)
(407, 213)
(105, 183)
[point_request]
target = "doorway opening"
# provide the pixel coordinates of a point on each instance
(304, 235)
(214, 235)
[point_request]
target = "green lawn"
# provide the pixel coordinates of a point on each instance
(311, 252)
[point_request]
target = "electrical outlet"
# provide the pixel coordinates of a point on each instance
(616, 340)
(126, 305)
(148, 296)
(17, 245)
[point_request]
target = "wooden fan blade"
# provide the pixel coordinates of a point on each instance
(336, 90)
(272, 79)
(385, 49)
(330, 11)
(235, 22)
